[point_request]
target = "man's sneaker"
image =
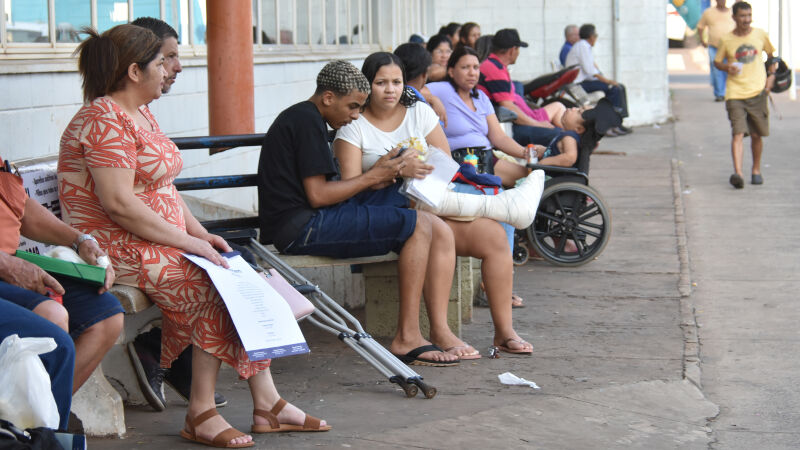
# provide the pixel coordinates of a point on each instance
(149, 374)
(181, 383)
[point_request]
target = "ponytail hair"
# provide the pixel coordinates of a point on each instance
(104, 58)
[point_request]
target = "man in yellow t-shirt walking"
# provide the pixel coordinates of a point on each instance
(746, 89)
(719, 22)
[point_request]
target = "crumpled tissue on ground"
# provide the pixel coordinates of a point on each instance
(511, 379)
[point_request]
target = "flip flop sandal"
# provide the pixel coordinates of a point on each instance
(412, 358)
(504, 347)
(221, 440)
(520, 303)
(274, 426)
(474, 355)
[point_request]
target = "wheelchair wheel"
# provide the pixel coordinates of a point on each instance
(572, 224)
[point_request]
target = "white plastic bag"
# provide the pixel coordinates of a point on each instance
(25, 396)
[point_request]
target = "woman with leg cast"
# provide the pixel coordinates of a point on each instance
(391, 119)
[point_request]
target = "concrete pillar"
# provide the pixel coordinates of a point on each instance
(231, 108)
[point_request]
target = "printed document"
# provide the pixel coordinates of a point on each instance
(431, 189)
(262, 317)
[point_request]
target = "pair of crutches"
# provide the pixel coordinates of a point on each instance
(333, 318)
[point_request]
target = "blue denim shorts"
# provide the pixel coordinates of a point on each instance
(84, 305)
(369, 224)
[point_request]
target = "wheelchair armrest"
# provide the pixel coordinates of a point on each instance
(558, 169)
(504, 114)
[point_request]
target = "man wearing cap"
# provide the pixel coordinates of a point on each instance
(591, 79)
(531, 126)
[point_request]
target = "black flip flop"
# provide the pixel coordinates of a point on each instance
(412, 358)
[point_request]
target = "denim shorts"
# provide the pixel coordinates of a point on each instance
(369, 224)
(85, 306)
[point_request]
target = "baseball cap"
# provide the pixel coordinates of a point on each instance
(507, 38)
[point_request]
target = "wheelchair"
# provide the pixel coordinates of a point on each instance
(572, 225)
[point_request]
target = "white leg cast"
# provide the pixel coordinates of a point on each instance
(516, 207)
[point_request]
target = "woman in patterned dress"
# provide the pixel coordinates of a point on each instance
(116, 169)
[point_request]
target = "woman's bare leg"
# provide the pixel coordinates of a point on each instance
(205, 367)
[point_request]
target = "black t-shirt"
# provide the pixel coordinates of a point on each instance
(295, 147)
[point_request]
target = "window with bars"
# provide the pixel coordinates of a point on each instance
(52, 26)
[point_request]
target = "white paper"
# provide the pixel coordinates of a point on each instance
(511, 379)
(431, 189)
(262, 317)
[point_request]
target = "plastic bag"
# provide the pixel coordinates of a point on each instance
(25, 396)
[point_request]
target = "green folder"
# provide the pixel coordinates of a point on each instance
(90, 274)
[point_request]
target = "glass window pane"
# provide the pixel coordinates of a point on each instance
(26, 21)
(302, 22)
(268, 20)
(330, 21)
(344, 28)
(145, 8)
(199, 21)
(70, 17)
(287, 24)
(172, 11)
(356, 25)
(316, 21)
(111, 13)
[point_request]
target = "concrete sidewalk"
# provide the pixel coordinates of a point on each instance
(610, 350)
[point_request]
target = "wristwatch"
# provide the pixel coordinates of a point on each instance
(80, 239)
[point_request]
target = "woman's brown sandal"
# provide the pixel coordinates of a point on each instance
(221, 440)
(311, 423)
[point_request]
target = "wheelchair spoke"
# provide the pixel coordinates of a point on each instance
(589, 232)
(553, 231)
(589, 212)
(598, 226)
(557, 199)
(580, 244)
(551, 217)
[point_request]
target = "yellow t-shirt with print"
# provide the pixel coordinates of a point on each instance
(750, 81)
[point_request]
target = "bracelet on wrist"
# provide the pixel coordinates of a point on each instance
(80, 240)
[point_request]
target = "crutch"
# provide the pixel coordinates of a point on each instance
(333, 318)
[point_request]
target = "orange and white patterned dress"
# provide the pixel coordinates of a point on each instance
(102, 135)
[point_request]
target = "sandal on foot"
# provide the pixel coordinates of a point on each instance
(505, 348)
(474, 355)
(310, 424)
(412, 358)
(516, 301)
(221, 440)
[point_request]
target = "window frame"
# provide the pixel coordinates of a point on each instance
(54, 56)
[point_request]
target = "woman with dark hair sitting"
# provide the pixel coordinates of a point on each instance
(451, 30)
(468, 35)
(393, 118)
(115, 171)
(473, 123)
(440, 47)
(416, 61)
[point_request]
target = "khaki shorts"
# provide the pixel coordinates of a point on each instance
(749, 115)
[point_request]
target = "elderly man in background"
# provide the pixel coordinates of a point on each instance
(591, 79)
(570, 38)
